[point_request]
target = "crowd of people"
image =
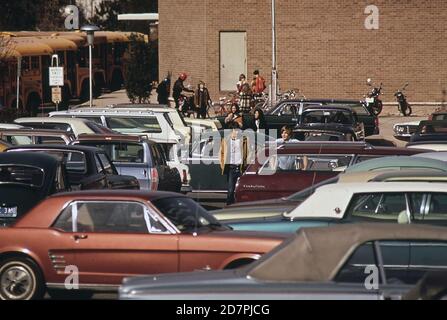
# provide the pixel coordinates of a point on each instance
(200, 101)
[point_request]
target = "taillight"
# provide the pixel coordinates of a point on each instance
(185, 177)
(154, 179)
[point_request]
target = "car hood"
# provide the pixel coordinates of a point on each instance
(411, 123)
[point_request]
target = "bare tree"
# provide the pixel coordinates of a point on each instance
(5, 52)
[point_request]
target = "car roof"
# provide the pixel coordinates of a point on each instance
(42, 160)
(318, 253)
(324, 101)
(325, 107)
(51, 120)
(10, 126)
(402, 162)
(392, 175)
(32, 132)
(438, 155)
(56, 147)
(433, 122)
(338, 146)
(341, 194)
(105, 194)
(104, 111)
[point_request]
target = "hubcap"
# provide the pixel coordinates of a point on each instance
(16, 282)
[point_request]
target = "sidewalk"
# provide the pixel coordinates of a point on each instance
(120, 96)
(116, 97)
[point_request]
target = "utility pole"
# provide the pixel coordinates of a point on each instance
(274, 86)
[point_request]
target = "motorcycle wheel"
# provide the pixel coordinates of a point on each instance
(377, 108)
(407, 112)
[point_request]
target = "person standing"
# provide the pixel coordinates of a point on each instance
(202, 100)
(258, 83)
(233, 159)
(179, 88)
(245, 98)
(259, 120)
(163, 90)
(241, 82)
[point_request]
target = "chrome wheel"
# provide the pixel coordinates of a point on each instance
(17, 281)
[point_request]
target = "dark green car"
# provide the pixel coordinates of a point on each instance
(287, 113)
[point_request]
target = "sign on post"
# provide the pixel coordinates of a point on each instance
(56, 76)
(56, 94)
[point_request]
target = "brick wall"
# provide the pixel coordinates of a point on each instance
(323, 47)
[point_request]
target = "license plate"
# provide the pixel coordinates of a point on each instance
(369, 100)
(8, 212)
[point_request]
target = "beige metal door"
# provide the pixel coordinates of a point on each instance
(233, 59)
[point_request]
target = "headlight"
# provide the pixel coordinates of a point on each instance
(400, 129)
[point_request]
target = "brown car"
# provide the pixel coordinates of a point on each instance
(107, 235)
(297, 166)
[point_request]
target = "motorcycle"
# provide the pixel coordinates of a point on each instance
(186, 105)
(403, 106)
(372, 99)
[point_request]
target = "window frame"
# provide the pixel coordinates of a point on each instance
(149, 212)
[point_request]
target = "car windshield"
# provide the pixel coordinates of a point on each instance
(134, 124)
(327, 116)
(187, 215)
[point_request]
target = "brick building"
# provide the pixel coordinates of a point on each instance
(323, 47)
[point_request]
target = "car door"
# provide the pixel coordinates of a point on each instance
(204, 166)
(426, 256)
(388, 260)
(114, 239)
(429, 208)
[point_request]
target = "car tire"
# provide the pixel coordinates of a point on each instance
(21, 279)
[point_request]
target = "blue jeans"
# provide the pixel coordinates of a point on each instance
(234, 172)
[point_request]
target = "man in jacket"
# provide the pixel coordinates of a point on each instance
(233, 158)
(179, 88)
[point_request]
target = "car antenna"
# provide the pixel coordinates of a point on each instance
(314, 176)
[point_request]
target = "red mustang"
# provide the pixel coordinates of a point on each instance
(107, 235)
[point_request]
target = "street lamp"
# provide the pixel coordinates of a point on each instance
(90, 30)
(274, 86)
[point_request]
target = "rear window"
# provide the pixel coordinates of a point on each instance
(327, 116)
(74, 161)
(16, 140)
(121, 151)
(26, 175)
(134, 124)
